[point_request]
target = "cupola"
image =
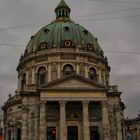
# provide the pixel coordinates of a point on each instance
(62, 10)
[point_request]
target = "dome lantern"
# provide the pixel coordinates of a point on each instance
(62, 10)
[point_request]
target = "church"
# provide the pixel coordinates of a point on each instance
(63, 90)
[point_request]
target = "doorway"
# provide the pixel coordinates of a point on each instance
(51, 133)
(72, 132)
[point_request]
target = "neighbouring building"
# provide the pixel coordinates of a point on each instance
(63, 87)
(132, 127)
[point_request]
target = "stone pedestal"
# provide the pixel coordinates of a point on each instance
(105, 121)
(86, 133)
(42, 128)
(63, 135)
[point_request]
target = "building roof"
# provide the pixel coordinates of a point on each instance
(60, 30)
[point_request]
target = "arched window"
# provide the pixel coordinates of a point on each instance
(23, 81)
(92, 74)
(68, 69)
(41, 76)
(82, 69)
(54, 72)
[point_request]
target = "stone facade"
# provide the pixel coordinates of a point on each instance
(63, 89)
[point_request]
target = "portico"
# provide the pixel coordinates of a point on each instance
(80, 110)
(80, 125)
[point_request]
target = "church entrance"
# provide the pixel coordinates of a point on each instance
(51, 133)
(72, 132)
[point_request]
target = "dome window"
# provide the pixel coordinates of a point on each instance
(67, 43)
(46, 30)
(32, 37)
(90, 47)
(68, 69)
(26, 52)
(85, 32)
(43, 45)
(92, 74)
(66, 28)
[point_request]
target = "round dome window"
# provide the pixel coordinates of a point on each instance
(67, 43)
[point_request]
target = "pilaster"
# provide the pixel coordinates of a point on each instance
(49, 72)
(86, 71)
(58, 71)
(100, 76)
(33, 76)
(77, 68)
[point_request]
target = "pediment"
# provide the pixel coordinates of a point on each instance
(73, 82)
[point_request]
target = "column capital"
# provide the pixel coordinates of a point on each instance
(104, 104)
(62, 103)
(43, 102)
(85, 103)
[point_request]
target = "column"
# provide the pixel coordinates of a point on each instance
(86, 133)
(105, 121)
(62, 120)
(24, 135)
(42, 127)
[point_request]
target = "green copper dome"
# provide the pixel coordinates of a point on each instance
(63, 32)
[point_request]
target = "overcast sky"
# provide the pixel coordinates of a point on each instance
(116, 24)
